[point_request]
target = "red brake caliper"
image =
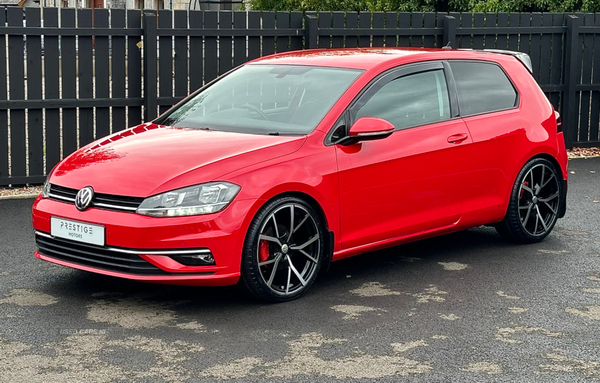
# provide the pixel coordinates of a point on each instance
(263, 251)
(525, 183)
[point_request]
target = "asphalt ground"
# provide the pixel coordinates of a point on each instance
(466, 307)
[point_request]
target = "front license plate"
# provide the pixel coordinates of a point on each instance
(77, 231)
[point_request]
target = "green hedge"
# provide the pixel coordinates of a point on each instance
(428, 5)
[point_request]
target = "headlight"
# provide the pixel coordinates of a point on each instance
(206, 198)
(46, 188)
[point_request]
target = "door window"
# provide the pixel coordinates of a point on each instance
(411, 100)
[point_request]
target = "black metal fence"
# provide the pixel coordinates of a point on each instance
(76, 75)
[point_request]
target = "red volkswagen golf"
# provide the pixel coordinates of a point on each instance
(295, 160)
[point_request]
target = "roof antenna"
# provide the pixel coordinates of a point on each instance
(448, 45)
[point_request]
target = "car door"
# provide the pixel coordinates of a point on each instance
(488, 103)
(414, 180)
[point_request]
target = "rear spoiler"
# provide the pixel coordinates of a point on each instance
(522, 57)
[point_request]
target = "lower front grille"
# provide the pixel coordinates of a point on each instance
(95, 256)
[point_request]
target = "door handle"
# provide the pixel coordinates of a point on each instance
(457, 138)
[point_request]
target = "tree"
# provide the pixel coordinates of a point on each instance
(428, 5)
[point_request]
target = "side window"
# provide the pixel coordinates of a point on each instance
(482, 87)
(412, 100)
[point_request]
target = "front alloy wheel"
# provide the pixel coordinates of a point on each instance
(534, 203)
(284, 250)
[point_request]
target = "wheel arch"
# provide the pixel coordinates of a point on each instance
(552, 160)
(546, 152)
(563, 181)
(314, 203)
(531, 156)
(258, 216)
(541, 153)
(512, 227)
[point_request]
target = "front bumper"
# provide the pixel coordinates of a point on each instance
(139, 247)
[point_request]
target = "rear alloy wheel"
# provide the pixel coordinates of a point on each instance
(284, 250)
(534, 203)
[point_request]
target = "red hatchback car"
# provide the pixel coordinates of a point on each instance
(292, 161)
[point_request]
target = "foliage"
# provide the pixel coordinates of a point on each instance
(428, 5)
(534, 6)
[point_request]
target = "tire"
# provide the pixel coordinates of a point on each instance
(535, 203)
(283, 251)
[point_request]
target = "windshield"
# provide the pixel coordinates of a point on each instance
(265, 99)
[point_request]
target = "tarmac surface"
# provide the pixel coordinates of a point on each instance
(466, 307)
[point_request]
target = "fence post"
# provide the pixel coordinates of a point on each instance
(450, 32)
(311, 31)
(571, 66)
(150, 73)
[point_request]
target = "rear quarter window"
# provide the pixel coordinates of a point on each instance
(482, 87)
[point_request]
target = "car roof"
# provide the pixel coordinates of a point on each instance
(373, 58)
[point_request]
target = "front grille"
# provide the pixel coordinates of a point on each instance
(101, 201)
(62, 194)
(95, 256)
